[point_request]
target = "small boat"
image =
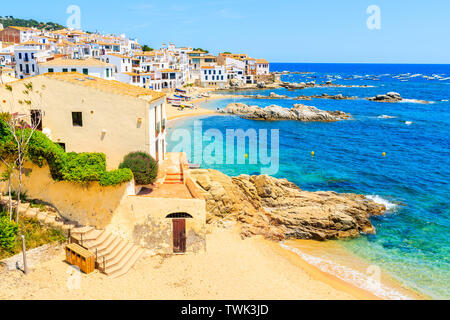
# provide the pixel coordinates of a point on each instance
(186, 106)
(181, 91)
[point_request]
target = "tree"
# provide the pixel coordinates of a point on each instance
(146, 48)
(21, 132)
(200, 49)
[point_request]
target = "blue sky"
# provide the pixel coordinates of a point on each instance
(412, 31)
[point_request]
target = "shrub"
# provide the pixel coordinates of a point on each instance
(8, 233)
(83, 167)
(116, 177)
(143, 166)
(74, 167)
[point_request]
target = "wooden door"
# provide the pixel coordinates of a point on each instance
(179, 235)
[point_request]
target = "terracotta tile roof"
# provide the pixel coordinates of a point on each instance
(262, 61)
(118, 55)
(61, 62)
(168, 70)
(111, 86)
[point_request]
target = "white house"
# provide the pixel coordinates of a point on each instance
(213, 76)
(26, 57)
(123, 65)
(92, 67)
(262, 67)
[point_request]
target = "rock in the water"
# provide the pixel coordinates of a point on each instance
(300, 112)
(388, 97)
(277, 209)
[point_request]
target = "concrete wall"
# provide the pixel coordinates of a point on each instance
(125, 118)
(142, 220)
(88, 204)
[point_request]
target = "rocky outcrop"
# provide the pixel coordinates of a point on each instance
(277, 209)
(299, 112)
(326, 96)
(312, 84)
(388, 97)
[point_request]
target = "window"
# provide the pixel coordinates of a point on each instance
(20, 55)
(74, 70)
(50, 70)
(36, 119)
(20, 67)
(77, 119)
(65, 70)
(62, 145)
(86, 71)
(107, 73)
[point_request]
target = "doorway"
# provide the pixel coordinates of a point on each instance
(179, 231)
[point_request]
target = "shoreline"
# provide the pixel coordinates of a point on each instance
(334, 280)
(250, 269)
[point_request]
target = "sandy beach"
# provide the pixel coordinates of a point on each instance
(231, 268)
(175, 112)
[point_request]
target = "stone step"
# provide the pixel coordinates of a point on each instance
(121, 259)
(69, 226)
(116, 245)
(23, 208)
(32, 213)
(49, 220)
(83, 230)
(102, 236)
(107, 243)
(57, 224)
(91, 234)
(41, 216)
(127, 266)
(112, 253)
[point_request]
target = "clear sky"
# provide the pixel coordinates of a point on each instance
(412, 31)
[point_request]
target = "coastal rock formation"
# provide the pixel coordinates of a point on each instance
(388, 97)
(312, 84)
(299, 112)
(326, 96)
(277, 209)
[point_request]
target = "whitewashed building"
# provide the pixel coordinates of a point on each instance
(92, 67)
(213, 76)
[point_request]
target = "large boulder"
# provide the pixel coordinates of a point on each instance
(278, 209)
(299, 112)
(388, 97)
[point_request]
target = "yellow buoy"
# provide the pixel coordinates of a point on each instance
(384, 154)
(246, 156)
(313, 153)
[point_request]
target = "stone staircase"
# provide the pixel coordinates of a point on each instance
(48, 218)
(174, 175)
(114, 255)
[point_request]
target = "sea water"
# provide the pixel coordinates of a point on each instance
(412, 179)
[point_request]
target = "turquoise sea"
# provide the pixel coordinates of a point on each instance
(412, 241)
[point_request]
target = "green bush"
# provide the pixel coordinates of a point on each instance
(74, 167)
(8, 233)
(116, 177)
(143, 166)
(83, 167)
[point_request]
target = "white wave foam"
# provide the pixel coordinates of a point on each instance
(377, 199)
(408, 123)
(356, 278)
(386, 117)
(414, 101)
